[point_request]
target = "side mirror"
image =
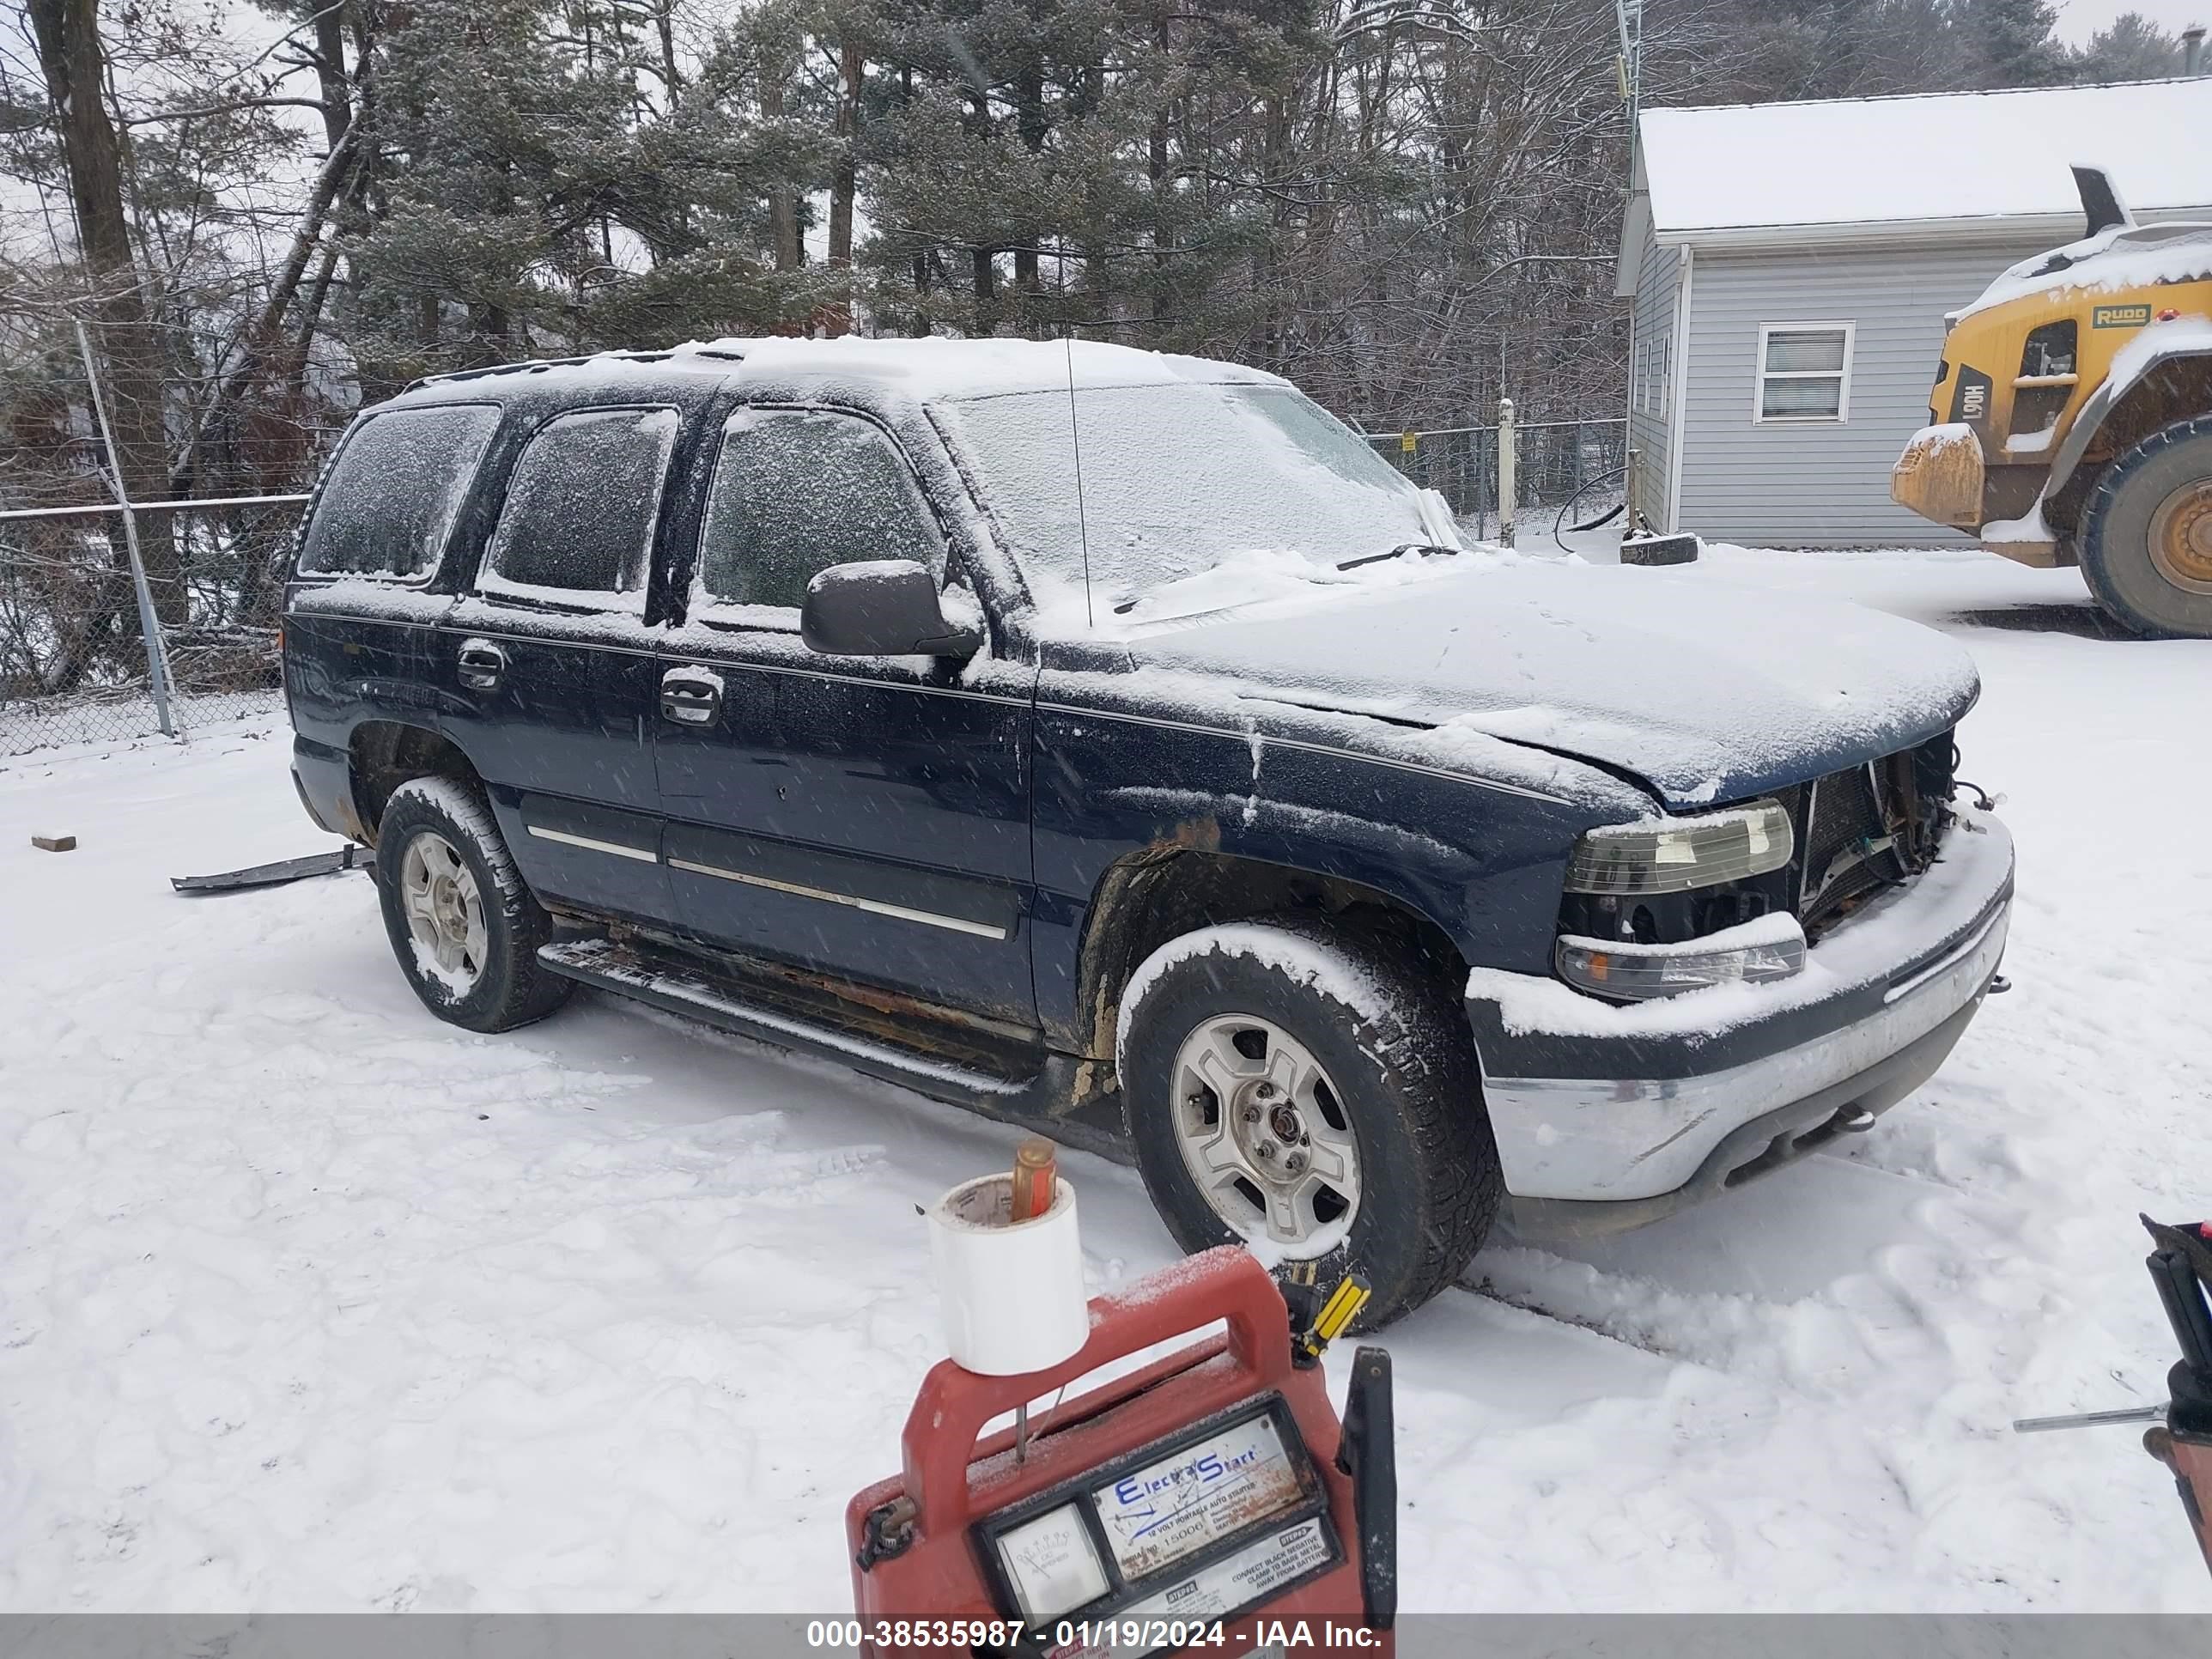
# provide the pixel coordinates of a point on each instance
(881, 608)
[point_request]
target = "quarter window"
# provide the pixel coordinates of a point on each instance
(577, 526)
(797, 491)
(391, 495)
(1804, 372)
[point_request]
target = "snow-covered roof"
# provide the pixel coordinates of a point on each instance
(922, 370)
(932, 368)
(1950, 161)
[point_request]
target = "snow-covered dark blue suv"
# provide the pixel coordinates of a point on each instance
(1114, 744)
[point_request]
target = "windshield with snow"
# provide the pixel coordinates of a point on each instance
(1194, 497)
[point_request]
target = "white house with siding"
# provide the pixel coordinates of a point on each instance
(1789, 266)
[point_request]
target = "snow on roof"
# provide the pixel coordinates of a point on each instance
(937, 368)
(2118, 256)
(1927, 160)
(925, 370)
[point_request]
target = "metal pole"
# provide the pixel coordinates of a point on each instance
(1505, 461)
(194, 504)
(149, 625)
(2090, 1419)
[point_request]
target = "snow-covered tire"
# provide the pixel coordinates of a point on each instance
(2146, 533)
(436, 828)
(1395, 1060)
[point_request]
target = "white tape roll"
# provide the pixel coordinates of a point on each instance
(1012, 1294)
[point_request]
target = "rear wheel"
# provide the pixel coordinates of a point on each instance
(2146, 533)
(1301, 1090)
(466, 929)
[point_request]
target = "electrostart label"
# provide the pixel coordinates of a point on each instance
(2119, 316)
(1158, 1514)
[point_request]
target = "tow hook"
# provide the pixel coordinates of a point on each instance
(1999, 985)
(1853, 1121)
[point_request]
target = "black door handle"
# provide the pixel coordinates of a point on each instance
(691, 696)
(482, 663)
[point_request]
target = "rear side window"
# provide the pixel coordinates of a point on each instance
(389, 502)
(797, 491)
(577, 526)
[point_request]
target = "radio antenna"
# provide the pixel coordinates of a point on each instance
(1075, 437)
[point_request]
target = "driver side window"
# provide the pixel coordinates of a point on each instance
(797, 491)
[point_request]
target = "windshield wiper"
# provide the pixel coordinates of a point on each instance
(1422, 548)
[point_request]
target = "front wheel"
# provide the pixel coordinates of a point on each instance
(466, 929)
(2146, 533)
(1297, 1088)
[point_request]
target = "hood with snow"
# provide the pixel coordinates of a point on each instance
(1705, 692)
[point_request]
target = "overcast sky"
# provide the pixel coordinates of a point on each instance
(2080, 19)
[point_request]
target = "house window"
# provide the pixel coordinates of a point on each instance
(1804, 372)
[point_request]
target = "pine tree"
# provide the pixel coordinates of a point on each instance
(551, 181)
(2133, 48)
(2010, 43)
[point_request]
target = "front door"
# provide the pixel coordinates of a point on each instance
(550, 673)
(866, 818)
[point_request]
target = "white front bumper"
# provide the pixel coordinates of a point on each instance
(1906, 964)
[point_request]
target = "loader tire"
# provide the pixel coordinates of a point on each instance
(2146, 533)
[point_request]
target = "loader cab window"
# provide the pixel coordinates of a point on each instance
(392, 495)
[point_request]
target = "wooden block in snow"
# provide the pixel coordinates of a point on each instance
(54, 844)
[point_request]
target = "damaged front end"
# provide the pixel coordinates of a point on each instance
(1828, 974)
(1736, 896)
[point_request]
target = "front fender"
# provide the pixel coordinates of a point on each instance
(1482, 862)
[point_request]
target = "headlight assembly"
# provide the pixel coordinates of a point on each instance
(1771, 948)
(1674, 855)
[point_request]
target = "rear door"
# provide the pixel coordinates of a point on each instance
(549, 668)
(867, 817)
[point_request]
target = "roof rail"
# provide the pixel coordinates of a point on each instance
(539, 365)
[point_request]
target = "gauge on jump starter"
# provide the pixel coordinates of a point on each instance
(1051, 1564)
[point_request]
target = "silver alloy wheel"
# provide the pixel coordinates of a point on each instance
(445, 912)
(1265, 1134)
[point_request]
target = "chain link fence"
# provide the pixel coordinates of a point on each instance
(121, 619)
(78, 664)
(1565, 471)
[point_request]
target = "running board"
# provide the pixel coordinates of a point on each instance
(349, 857)
(1039, 1100)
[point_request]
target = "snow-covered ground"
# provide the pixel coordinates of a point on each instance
(308, 1301)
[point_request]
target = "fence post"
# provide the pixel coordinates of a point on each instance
(1505, 458)
(149, 625)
